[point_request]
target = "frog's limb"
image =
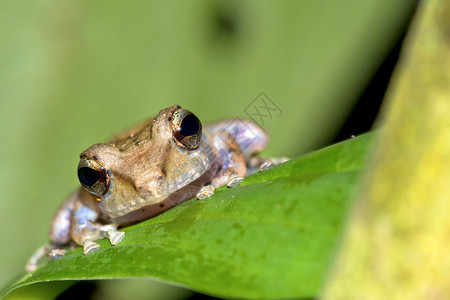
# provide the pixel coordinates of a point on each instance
(229, 178)
(33, 261)
(234, 180)
(233, 164)
(205, 192)
(250, 137)
(60, 226)
(59, 234)
(57, 253)
(112, 234)
(85, 230)
(90, 246)
(51, 250)
(93, 232)
(259, 164)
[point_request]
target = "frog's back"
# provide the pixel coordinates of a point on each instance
(132, 136)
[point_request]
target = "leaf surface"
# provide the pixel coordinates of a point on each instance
(271, 237)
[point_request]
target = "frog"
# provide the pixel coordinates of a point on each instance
(148, 169)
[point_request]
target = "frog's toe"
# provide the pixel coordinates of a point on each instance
(57, 253)
(90, 246)
(270, 162)
(205, 192)
(115, 236)
(266, 165)
(235, 180)
(31, 266)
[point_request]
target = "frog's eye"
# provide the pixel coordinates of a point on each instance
(93, 177)
(88, 176)
(186, 128)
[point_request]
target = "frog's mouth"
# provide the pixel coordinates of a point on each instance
(187, 192)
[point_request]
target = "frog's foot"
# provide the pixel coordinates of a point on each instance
(234, 180)
(205, 192)
(265, 165)
(90, 246)
(115, 236)
(259, 164)
(57, 253)
(110, 231)
(51, 250)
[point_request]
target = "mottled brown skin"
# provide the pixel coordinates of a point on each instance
(148, 169)
(147, 166)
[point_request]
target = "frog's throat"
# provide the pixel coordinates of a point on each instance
(181, 195)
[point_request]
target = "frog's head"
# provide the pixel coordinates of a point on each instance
(145, 165)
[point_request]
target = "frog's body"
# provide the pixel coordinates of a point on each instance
(148, 169)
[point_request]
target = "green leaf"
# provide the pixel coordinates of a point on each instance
(397, 242)
(273, 236)
(74, 73)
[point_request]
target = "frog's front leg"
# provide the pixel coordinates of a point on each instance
(85, 228)
(233, 164)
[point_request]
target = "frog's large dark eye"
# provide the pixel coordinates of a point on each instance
(88, 176)
(93, 177)
(186, 128)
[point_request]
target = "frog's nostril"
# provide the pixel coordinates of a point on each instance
(88, 176)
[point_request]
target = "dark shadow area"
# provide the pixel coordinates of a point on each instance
(198, 296)
(365, 112)
(80, 290)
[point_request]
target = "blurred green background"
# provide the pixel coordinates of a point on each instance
(74, 73)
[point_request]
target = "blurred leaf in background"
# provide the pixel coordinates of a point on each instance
(74, 73)
(397, 242)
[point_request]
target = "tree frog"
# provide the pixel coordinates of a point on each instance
(149, 169)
